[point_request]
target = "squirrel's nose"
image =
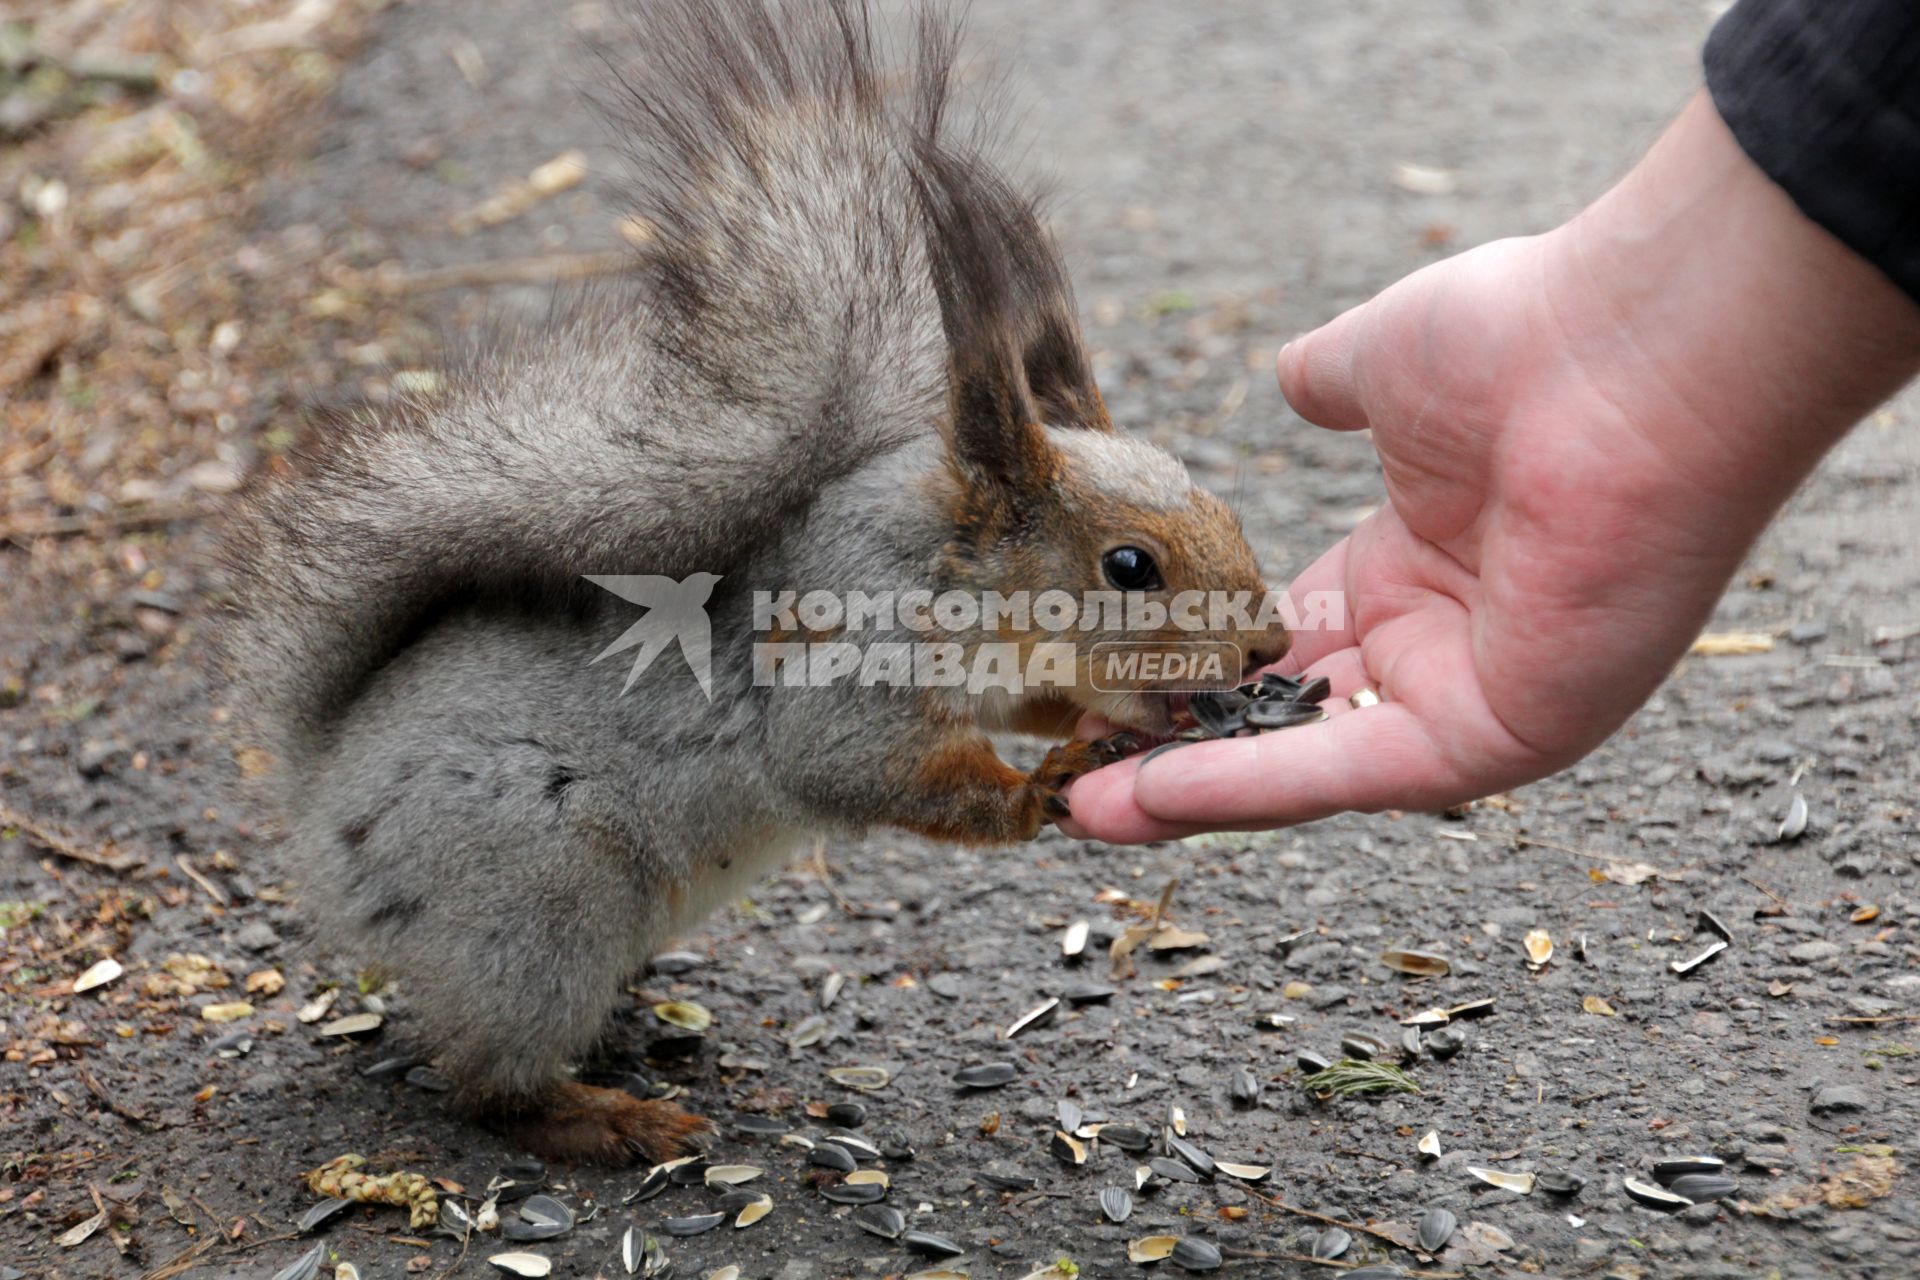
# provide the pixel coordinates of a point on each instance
(1260, 657)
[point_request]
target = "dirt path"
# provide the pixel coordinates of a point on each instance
(1230, 173)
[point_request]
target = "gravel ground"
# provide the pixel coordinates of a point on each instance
(1227, 177)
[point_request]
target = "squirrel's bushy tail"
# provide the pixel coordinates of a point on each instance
(789, 331)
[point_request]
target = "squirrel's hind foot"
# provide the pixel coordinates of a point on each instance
(586, 1124)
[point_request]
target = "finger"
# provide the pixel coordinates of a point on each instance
(1104, 809)
(1321, 612)
(1376, 758)
(1317, 373)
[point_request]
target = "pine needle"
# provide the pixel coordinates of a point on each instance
(1351, 1076)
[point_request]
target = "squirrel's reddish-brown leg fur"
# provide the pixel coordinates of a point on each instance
(585, 1124)
(962, 790)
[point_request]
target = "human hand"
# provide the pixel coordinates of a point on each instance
(1581, 434)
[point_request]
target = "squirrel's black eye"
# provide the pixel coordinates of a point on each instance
(1131, 569)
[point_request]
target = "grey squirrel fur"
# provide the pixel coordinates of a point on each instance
(855, 364)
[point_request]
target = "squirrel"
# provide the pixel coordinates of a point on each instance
(853, 360)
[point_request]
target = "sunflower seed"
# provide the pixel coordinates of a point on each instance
(1073, 943)
(1318, 689)
(1126, 1137)
(546, 1211)
(345, 1271)
(1429, 1146)
(1520, 1184)
(831, 1155)
(1244, 1172)
(1358, 1044)
(1426, 1018)
(455, 1220)
(728, 1175)
(854, 1193)
(1423, 964)
(687, 1171)
(684, 1014)
(1193, 1157)
(996, 1180)
(809, 1031)
(1221, 714)
(531, 1265)
(1243, 1088)
(653, 1184)
(1539, 948)
(882, 1220)
(1143, 1178)
(1177, 1119)
(988, 1075)
(1714, 948)
(694, 1225)
(1311, 1062)
(858, 1147)
(1712, 923)
(354, 1024)
(1116, 1203)
(631, 1251)
(1444, 1043)
(1410, 1044)
(1088, 993)
(1172, 1170)
(1272, 713)
(523, 1232)
(1794, 825)
(98, 975)
(830, 989)
(1480, 1008)
(866, 1079)
(1434, 1228)
(760, 1126)
(1039, 1016)
(1665, 1171)
(928, 1245)
(1067, 1149)
(321, 1212)
(305, 1267)
(848, 1115)
(1330, 1244)
(1195, 1254)
(1703, 1187)
(1271, 1021)
(728, 1272)
(751, 1212)
(1655, 1197)
(1070, 1115)
(1151, 1248)
(1558, 1183)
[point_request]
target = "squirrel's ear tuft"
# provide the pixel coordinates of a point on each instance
(1015, 357)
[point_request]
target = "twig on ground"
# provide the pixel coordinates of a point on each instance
(64, 846)
(194, 874)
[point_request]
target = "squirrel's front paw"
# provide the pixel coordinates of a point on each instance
(1070, 760)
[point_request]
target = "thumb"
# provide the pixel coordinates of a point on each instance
(1317, 373)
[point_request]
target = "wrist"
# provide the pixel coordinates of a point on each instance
(1744, 339)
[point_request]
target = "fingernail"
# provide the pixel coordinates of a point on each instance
(1162, 749)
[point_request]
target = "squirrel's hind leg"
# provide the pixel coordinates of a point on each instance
(586, 1124)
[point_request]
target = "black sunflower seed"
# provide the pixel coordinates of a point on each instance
(1443, 1044)
(1193, 1157)
(305, 1267)
(1070, 1114)
(652, 1185)
(1665, 1171)
(1243, 1088)
(1271, 714)
(313, 1217)
(1311, 1062)
(1067, 1149)
(760, 1126)
(1655, 1197)
(1702, 1187)
(928, 1245)
(1088, 993)
(1358, 1044)
(1556, 1182)
(736, 1200)
(1221, 714)
(672, 963)
(831, 1155)
(1126, 1137)
(1318, 689)
(1410, 1044)
(514, 1229)
(848, 1115)
(1195, 1254)
(1330, 1244)
(1434, 1228)
(1116, 1203)
(691, 1174)
(390, 1068)
(854, 1193)
(1172, 1170)
(988, 1075)
(692, 1226)
(996, 1180)
(882, 1220)
(546, 1209)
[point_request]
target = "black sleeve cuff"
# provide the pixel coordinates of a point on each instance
(1824, 95)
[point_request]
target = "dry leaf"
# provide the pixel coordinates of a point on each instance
(1866, 1179)
(1630, 873)
(1422, 964)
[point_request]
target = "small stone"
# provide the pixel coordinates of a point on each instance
(257, 936)
(1839, 1097)
(1814, 952)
